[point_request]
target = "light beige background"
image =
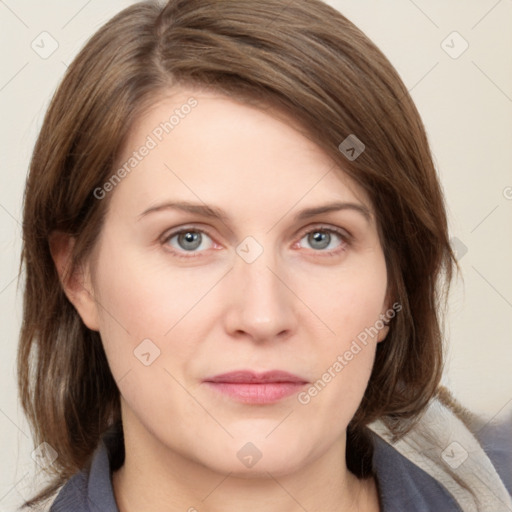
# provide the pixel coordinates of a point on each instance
(466, 105)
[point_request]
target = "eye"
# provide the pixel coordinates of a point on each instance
(328, 240)
(189, 240)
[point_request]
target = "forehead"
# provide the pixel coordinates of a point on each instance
(208, 146)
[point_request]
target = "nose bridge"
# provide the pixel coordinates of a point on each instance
(262, 305)
(258, 281)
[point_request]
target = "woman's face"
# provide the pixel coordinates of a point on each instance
(278, 267)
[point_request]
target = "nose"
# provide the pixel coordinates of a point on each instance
(260, 306)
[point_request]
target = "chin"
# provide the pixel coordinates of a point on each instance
(246, 459)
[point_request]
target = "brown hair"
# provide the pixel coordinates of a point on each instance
(308, 61)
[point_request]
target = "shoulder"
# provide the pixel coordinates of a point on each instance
(495, 438)
(72, 496)
(403, 485)
(440, 458)
(494, 435)
(91, 489)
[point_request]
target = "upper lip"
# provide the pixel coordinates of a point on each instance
(251, 377)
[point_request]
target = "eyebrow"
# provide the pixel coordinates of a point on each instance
(216, 213)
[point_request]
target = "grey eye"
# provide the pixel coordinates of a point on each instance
(319, 239)
(189, 240)
(322, 239)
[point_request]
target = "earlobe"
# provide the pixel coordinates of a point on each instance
(76, 283)
(383, 333)
(384, 330)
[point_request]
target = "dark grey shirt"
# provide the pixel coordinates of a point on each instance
(402, 485)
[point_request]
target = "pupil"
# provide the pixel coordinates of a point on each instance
(319, 239)
(189, 240)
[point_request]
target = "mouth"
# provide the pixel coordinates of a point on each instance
(250, 387)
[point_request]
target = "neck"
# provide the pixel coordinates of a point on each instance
(156, 478)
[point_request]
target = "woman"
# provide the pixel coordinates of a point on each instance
(235, 244)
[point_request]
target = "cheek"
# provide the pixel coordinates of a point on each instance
(349, 304)
(146, 295)
(343, 361)
(348, 300)
(146, 320)
(138, 301)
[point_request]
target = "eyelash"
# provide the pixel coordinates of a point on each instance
(344, 236)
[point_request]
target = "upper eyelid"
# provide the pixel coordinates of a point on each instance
(325, 227)
(169, 233)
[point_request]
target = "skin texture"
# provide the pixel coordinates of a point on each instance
(294, 308)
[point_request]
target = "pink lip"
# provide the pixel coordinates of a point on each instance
(256, 388)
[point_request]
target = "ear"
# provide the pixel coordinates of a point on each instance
(384, 317)
(383, 333)
(77, 285)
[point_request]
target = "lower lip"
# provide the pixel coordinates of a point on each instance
(261, 393)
